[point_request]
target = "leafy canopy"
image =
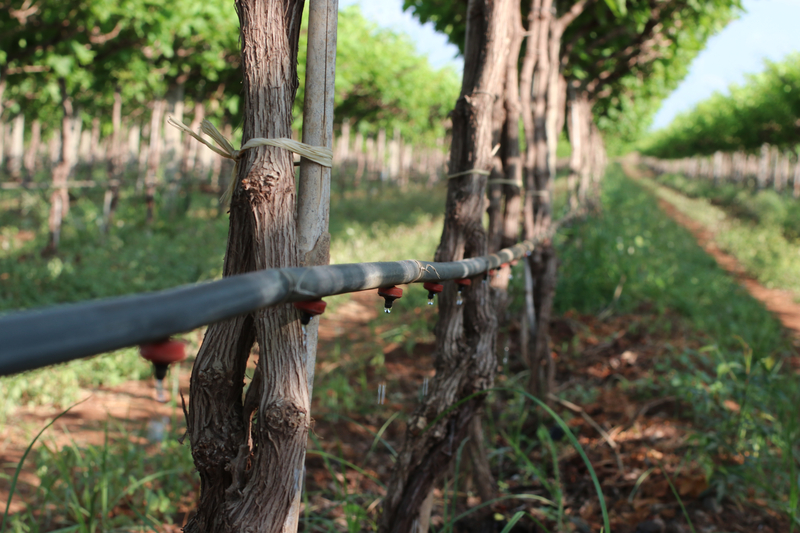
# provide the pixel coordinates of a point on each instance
(144, 48)
(766, 109)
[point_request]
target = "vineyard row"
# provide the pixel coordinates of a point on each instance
(166, 153)
(771, 167)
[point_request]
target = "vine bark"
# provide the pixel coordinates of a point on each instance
(249, 453)
(465, 359)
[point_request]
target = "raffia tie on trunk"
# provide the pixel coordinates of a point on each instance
(318, 154)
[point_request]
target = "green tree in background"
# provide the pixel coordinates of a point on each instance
(142, 49)
(386, 83)
(117, 65)
(627, 65)
(628, 56)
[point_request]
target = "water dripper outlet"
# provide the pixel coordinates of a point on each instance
(389, 294)
(433, 289)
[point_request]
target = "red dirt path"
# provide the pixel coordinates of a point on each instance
(780, 303)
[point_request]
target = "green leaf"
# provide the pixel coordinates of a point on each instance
(14, 479)
(618, 7)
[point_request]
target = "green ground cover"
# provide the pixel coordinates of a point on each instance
(727, 350)
(761, 229)
(767, 207)
(629, 245)
(82, 483)
(377, 223)
(659, 265)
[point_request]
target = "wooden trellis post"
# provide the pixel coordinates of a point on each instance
(314, 189)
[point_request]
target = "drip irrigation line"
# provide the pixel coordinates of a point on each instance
(42, 337)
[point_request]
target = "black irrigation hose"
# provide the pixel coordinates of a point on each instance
(43, 337)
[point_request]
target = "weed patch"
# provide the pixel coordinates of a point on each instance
(657, 264)
(724, 360)
(110, 486)
(762, 249)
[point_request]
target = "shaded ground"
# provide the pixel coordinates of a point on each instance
(129, 410)
(645, 442)
(645, 437)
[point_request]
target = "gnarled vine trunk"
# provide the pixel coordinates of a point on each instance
(537, 209)
(512, 159)
(465, 358)
(497, 177)
(249, 453)
(549, 100)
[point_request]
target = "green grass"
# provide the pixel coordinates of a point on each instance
(374, 224)
(506, 444)
(78, 482)
(384, 224)
(661, 268)
(767, 207)
(631, 244)
(368, 225)
(135, 257)
(659, 264)
(82, 487)
(760, 241)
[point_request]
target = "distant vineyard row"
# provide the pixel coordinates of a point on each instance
(766, 109)
(771, 168)
(158, 148)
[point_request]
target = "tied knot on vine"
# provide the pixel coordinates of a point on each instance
(318, 154)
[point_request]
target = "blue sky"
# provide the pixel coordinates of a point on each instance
(389, 14)
(769, 29)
